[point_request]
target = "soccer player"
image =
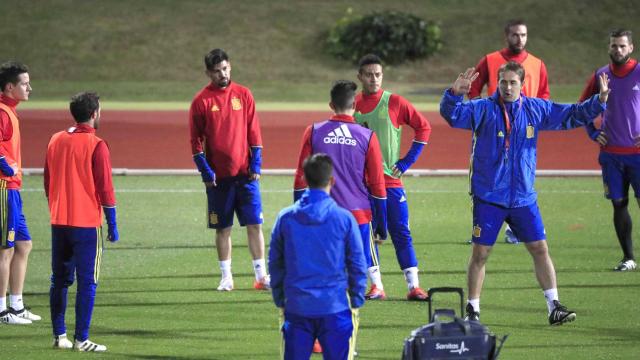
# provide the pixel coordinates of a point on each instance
(503, 162)
(318, 270)
(386, 114)
(227, 148)
(619, 137)
(15, 241)
(358, 170)
(78, 185)
(535, 84)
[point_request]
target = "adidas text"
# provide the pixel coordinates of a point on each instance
(339, 140)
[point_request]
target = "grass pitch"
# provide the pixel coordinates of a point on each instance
(157, 298)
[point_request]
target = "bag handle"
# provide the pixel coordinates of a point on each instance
(435, 290)
(437, 328)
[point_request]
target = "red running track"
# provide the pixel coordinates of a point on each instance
(160, 140)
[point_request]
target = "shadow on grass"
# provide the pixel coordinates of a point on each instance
(186, 303)
(118, 247)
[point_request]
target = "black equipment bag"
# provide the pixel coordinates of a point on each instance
(456, 339)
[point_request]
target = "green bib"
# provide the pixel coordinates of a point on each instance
(388, 135)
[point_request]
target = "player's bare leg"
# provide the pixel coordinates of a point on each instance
(256, 241)
(475, 279)
(5, 265)
(546, 275)
(256, 248)
(19, 266)
(545, 272)
(223, 247)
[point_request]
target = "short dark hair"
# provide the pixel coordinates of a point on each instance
(214, 57)
(620, 33)
(343, 94)
(368, 60)
(511, 23)
(83, 105)
(317, 170)
(511, 66)
(10, 71)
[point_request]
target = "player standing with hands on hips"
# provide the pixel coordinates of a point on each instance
(619, 137)
(503, 162)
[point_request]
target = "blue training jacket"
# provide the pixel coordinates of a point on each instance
(502, 171)
(316, 260)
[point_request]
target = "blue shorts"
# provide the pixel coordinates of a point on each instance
(618, 172)
(526, 222)
(13, 225)
(237, 194)
(336, 333)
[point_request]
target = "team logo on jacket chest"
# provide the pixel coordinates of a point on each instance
(341, 136)
(236, 104)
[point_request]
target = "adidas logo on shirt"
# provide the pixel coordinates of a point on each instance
(340, 135)
(636, 88)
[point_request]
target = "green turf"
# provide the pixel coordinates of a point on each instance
(157, 297)
(151, 50)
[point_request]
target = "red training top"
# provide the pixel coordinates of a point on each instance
(401, 112)
(10, 144)
(224, 125)
(593, 86)
(483, 78)
(77, 177)
(373, 168)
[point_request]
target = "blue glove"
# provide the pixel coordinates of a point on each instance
(405, 163)
(379, 221)
(112, 227)
(255, 163)
(5, 168)
(205, 171)
(297, 194)
(593, 135)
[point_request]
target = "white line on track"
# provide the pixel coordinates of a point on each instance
(275, 191)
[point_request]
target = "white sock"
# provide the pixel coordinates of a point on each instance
(411, 276)
(3, 303)
(259, 269)
(475, 303)
(16, 302)
(225, 268)
(550, 295)
(376, 278)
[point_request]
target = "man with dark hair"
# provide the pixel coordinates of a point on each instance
(386, 114)
(358, 166)
(619, 137)
(317, 266)
(15, 241)
(535, 85)
(502, 173)
(78, 185)
(227, 148)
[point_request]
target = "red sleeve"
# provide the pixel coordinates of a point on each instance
(254, 136)
(196, 126)
(543, 87)
(46, 177)
(101, 164)
(373, 169)
(408, 115)
(591, 89)
(299, 182)
(6, 130)
(483, 77)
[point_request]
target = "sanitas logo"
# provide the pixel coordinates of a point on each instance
(340, 135)
(453, 347)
